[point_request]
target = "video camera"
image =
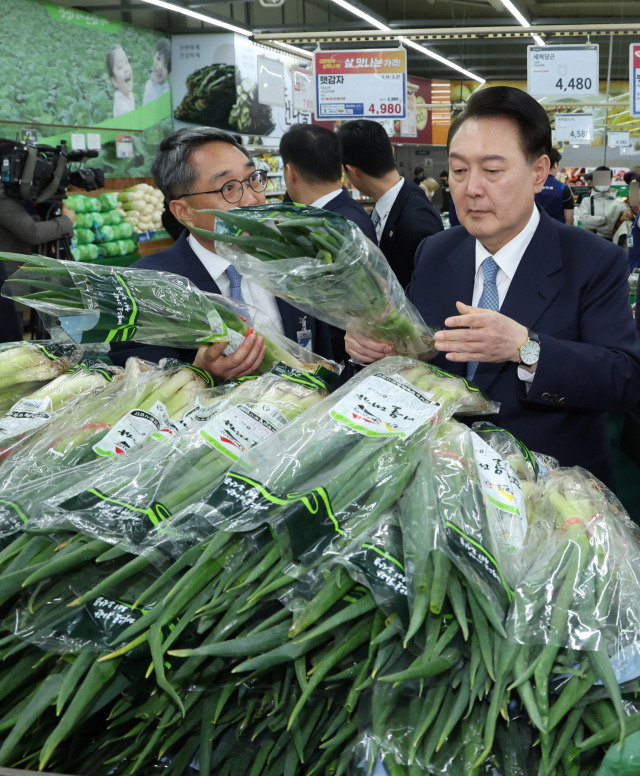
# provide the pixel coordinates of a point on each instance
(38, 173)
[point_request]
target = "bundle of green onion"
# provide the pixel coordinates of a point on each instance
(94, 303)
(323, 264)
(26, 365)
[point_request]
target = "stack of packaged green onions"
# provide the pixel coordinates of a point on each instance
(290, 583)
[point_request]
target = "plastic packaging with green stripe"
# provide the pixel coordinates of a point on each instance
(100, 303)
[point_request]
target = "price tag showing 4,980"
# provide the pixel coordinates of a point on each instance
(563, 71)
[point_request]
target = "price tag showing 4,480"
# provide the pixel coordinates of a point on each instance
(563, 71)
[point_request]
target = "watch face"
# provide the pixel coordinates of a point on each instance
(530, 352)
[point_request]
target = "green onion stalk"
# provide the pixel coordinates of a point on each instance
(52, 399)
(341, 462)
(147, 399)
(323, 264)
(124, 504)
(93, 303)
(24, 366)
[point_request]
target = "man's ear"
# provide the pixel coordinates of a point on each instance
(291, 172)
(180, 210)
(541, 172)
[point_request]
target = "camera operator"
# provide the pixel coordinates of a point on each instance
(20, 232)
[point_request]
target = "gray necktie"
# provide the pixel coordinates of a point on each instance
(235, 279)
(489, 299)
(375, 217)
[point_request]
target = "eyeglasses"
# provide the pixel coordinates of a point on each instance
(232, 191)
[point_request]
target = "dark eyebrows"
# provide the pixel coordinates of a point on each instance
(487, 158)
(249, 165)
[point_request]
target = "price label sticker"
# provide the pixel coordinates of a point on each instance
(563, 71)
(574, 128)
(618, 139)
(363, 84)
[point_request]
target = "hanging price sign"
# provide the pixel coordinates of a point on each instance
(618, 139)
(361, 84)
(574, 128)
(303, 97)
(563, 71)
(634, 79)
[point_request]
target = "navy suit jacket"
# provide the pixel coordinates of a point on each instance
(571, 289)
(181, 260)
(346, 206)
(411, 219)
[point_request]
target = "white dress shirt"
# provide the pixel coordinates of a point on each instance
(322, 201)
(508, 259)
(384, 205)
(253, 294)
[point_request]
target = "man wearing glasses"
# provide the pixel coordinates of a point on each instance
(200, 168)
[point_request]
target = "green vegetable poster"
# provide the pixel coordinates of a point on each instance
(229, 82)
(67, 72)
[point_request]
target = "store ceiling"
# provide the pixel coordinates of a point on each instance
(479, 35)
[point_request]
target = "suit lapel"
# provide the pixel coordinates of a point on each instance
(533, 288)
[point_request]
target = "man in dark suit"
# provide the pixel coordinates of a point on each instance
(403, 215)
(201, 168)
(312, 159)
(540, 309)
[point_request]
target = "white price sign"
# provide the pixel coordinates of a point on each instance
(574, 128)
(361, 84)
(618, 139)
(563, 71)
(303, 94)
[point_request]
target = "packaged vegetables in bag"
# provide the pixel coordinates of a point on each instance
(92, 303)
(323, 264)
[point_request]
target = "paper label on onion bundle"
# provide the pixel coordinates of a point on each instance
(25, 415)
(502, 491)
(131, 430)
(384, 405)
(239, 428)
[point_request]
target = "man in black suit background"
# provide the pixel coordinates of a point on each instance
(199, 168)
(312, 159)
(403, 215)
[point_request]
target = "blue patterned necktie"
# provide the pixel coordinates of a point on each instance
(235, 278)
(489, 299)
(375, 217)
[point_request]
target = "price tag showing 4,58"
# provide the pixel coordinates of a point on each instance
(563, 71)
(574, 128)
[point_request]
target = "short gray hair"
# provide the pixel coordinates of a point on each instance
(173, 173)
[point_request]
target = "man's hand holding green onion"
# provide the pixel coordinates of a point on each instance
(242, 362)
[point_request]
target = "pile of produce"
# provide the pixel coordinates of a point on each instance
(373, 579)
(142, 206)
(99, 231)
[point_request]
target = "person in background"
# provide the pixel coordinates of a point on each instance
(201, 168)
(21, 232)
(312, 160)
(556, 197)
(429, 186)
(418, 175)
(402, 215)
(121, 76)
(158, 82)
(601, 211)
(446, 193)
(535, 312)
(633, 238)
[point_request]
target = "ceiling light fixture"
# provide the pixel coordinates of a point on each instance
(294, 49)
(521, 20)
(199, 16)
(362, 14)
(437, 57)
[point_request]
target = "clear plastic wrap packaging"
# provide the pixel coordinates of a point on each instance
(52, 400)
(93, 303)
(25, 366)
(323, 264)
(333, 470)
(124, 504)
(146, 400)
